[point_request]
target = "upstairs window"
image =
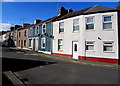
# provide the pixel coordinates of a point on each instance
(61, 27)
(75, 24)
(60, 44)
(37, 30)
(19, 34)
(107, 22)
(107, 46)
(89, 23)
(44, 28)
(30, 32)
(90, 46)
(25, 33)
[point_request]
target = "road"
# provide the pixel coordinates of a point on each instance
(33, 69)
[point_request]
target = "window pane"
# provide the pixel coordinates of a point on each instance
(43, 42)
(43, 26)
(60, 42)
(90, 47)
(44, 30)
(108, 43)
(107, 18)
(89, 42)
(60, 47)
(61, 24)
(89, 26)
(90, 19)
(75, 47)
(43, 45)
(75, 28)
(107, 25)
(76, 21)
(107, 48)
(61, 29)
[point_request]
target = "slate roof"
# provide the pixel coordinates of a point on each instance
(93, 9)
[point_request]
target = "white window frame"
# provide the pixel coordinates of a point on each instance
(42, 42)
(90, 22)
(31, 32)
(76, 24)
(107, 22)
(43, 28)
(37, 30)
(112, 44)
(86, 44)
(60, 45)
(61, 27)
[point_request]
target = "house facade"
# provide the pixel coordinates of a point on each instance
(33, 33)
(46, 32)
(88, 34)
(22, 37)
(45, 37)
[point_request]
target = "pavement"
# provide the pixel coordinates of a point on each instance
(67, 59)
(33, 68)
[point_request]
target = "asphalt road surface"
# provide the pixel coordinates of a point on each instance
(33, 69)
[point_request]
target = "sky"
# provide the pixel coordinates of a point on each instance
(26, 12)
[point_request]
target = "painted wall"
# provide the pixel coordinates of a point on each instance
(47, 37)
(83, 35)
(22, 38)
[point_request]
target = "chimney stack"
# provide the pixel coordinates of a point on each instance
(62, 11)
(70, 10)
(25, 25)
(37, 21)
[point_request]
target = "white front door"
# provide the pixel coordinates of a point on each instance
(75, 50)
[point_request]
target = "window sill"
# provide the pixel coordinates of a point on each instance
(76, 31)
(108, 29)
(108, 51)
(90, 50)
(60, 50)
(90, 29)
(61, 33)
(43, 47)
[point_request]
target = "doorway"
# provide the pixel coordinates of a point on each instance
(75, 49)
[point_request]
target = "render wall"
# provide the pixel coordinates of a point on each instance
(83, 35)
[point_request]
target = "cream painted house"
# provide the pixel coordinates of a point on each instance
(88, 34)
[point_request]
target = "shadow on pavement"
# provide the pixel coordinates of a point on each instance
(14, 65)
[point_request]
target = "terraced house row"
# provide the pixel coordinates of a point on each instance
(87, 34)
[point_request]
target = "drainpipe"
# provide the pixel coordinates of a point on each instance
(51, 39)
(85, 49)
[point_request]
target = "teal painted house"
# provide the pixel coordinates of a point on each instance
(45, 36)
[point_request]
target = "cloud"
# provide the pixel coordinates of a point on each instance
(5, 26)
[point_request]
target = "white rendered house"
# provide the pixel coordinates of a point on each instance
(88, 34)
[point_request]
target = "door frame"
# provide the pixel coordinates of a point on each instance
(72, 47)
